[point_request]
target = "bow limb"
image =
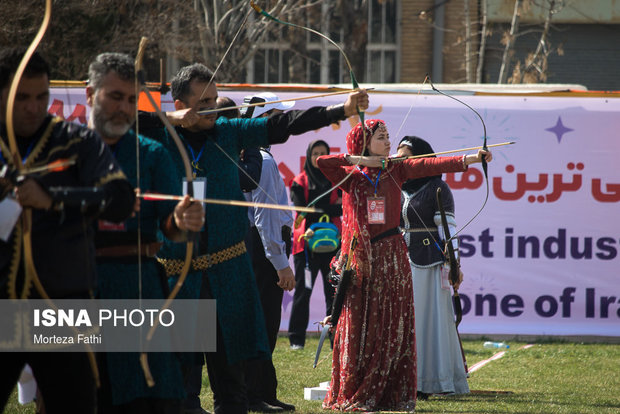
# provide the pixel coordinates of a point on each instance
(339, 296)
(26, 219)
(454, 264)
(141, 84)
(484, 147)
(354, 84)
(30, 271)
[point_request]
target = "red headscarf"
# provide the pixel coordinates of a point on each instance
(355, 137)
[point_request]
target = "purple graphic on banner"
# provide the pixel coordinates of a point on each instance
(559, 130)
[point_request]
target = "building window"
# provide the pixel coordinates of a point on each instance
(381, 51)
(324, 63)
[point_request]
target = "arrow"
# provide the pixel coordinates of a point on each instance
(159, 197)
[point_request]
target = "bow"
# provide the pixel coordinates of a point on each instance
(341, 290)
(30, 272)
(354, 84)
(454, 264)
(484, 147)
(141, 84)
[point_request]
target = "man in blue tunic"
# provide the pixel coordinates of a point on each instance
(215, 144)
(111, 94)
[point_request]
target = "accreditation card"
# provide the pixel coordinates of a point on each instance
(376, 210)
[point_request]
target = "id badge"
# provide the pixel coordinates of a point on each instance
(200, 187)
(376, 210)
(445, 276)
(200, 191)
(9, 214)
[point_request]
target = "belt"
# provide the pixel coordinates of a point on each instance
(174, 266)
(148, 250)
(387, 233)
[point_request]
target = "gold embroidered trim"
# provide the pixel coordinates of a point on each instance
(42, 141)
(15, 261)
(118, 175)
(174, 266)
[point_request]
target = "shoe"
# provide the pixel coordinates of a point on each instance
(263, 407)
(283, 405)
(423, 396)
(297, 347)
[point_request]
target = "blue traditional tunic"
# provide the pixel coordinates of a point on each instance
(232, 282)
(118, 279)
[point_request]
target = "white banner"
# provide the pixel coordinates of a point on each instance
(542, 257)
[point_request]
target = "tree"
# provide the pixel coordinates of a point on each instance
(185, 30)
(534, 67)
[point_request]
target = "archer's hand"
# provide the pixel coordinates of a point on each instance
(456, 286)
(184, 118)
(286, 278)
(471, 159)
(356, 100)
(31, 194)
(189, 215)
(373, 161)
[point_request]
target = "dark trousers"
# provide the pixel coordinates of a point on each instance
(301, 299)
(143, 405)
(227, 381)
(261, 377)
(65, 379)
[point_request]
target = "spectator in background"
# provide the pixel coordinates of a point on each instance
(307, 186)
(269, 245)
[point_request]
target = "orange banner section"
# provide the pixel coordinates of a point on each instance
(145, 105)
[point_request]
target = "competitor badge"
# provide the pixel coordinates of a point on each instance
(376, 210)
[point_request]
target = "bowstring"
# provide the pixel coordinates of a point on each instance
(246, 173)
(484, 128)
(205, 90)
(353, 82)
(217, 68)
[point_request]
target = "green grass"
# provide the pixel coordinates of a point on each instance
(551, 377)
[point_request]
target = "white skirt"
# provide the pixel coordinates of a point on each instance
(440, 362)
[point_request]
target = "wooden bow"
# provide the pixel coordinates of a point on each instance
(191, 237)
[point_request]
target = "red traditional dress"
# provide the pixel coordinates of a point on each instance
(374, 360)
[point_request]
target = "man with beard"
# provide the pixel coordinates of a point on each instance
(215, 145)
(64, 203)
(111, 94)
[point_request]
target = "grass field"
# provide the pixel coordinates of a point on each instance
(550, 377)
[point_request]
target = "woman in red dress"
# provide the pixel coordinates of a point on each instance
(374, 360)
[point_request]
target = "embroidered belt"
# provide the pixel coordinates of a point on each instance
(174, 266)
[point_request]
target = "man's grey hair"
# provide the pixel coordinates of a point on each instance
(103, 64)
(180, 84)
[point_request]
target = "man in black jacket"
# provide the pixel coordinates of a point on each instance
(62, 204)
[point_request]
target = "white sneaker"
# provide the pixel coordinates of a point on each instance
(297, 347)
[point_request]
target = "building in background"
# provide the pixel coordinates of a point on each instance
(400, 41)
